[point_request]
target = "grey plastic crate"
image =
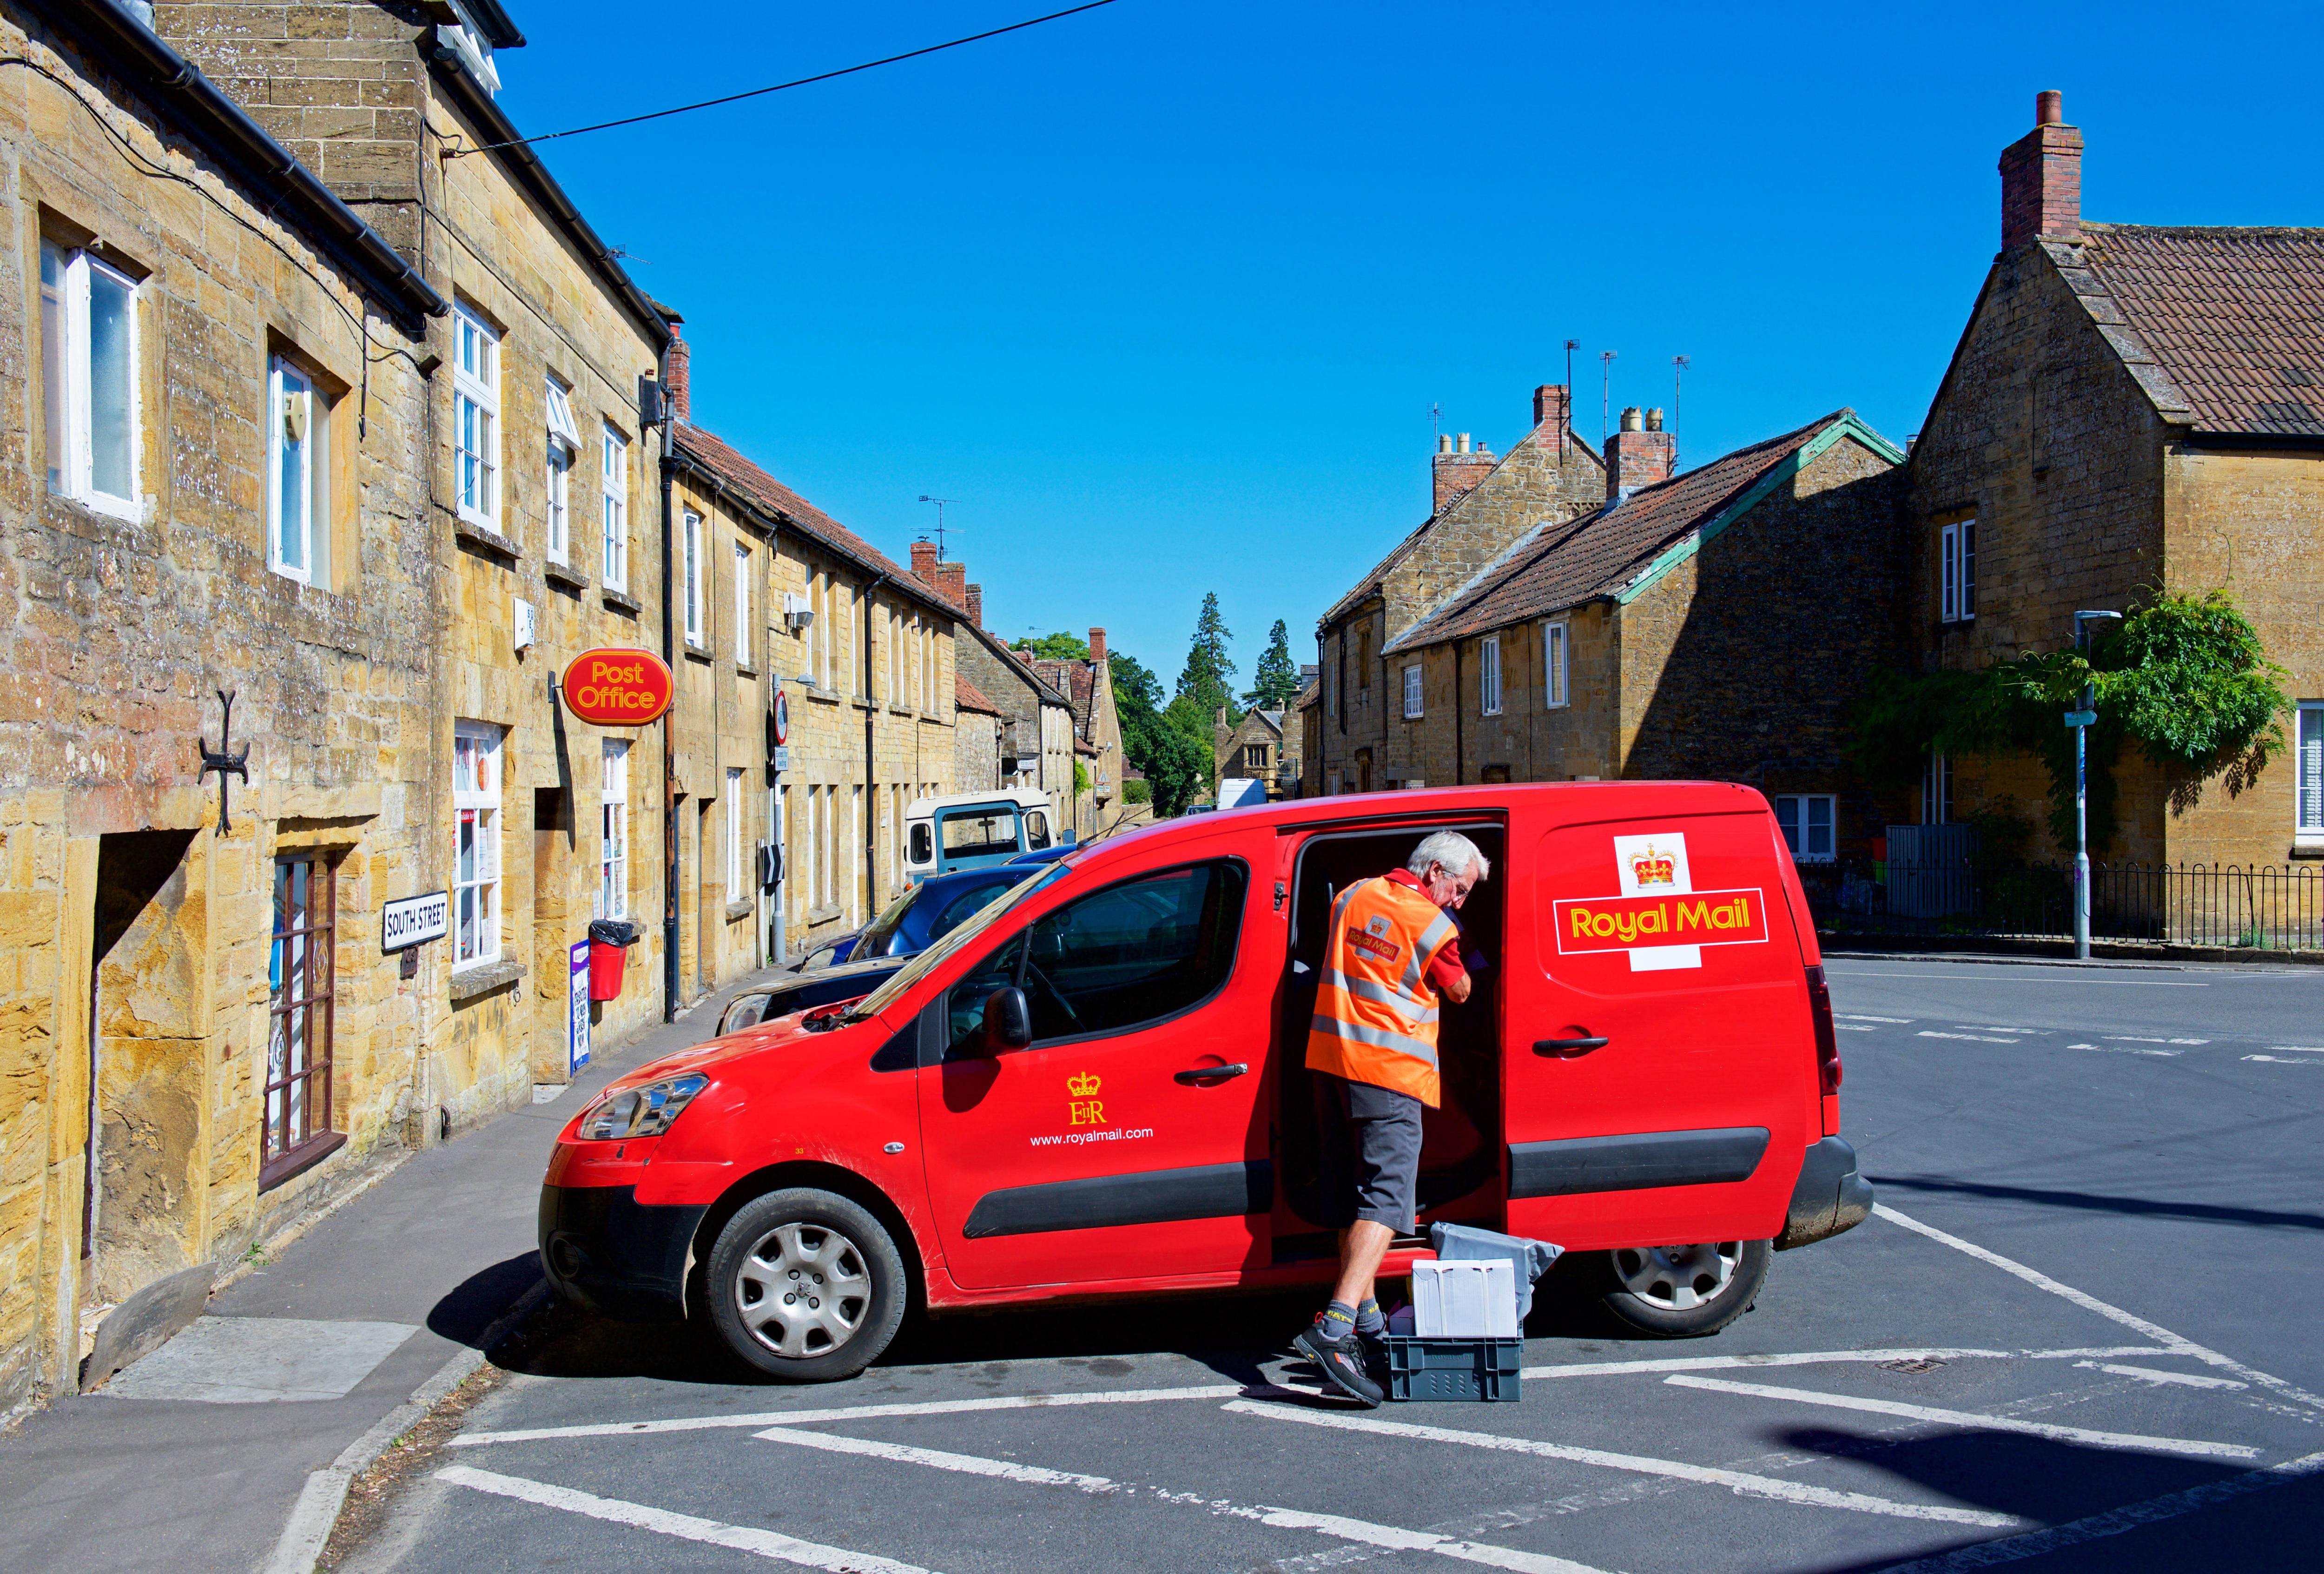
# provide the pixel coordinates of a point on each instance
(1468, 1371)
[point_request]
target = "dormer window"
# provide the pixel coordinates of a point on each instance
(474, 47)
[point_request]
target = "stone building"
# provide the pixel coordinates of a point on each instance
(1479, 505)
(977, 726)
(218, 413)
(1038, 735)
(1258, 745)
(1674, 633)
(862, 652)
(2129, 407)
(1088, 684)
(1309, 709)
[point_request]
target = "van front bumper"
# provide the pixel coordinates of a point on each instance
(1829, 1199)
(621, 1258)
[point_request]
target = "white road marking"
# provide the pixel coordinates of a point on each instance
(2114, 1521)
(683, 1526)
(2282, 1061)
(2121, 1050)
(1330, 1524)
(2192, 1448)
(2179, 1345)
(1819, 1358)
(1973, 1038)
(1854, 1027)
(1989, 1027)
(2008, 976)
(2185, 1379)
(1859, 1017)
(1708, 1475)
(2297, 1048)
(691, 1423)
(2136, 1038)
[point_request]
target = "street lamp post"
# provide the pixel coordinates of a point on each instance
(2080, 720)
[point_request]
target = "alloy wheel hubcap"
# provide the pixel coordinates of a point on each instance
(803, 1290)
(1678, 1278)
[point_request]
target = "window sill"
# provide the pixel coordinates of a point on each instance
(561, 574)
(823, 914)
(738, 911)
(491, 541)
(828, 695)
(289, 1166)
(744, 670)
(621, 601)
(2304, 850)
(483, 978)
(697, 653)
(894, 709)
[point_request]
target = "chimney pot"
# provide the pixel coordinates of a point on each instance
(2049, 107)
(1632, 421)
(1443, 442)
(1655, 418)
(1461, 443)
(1638, 456)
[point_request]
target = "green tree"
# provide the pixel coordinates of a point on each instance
(1175, 765)
(1208, 679)
(1055, 647)
(1276, 682)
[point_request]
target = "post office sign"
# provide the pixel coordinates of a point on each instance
(617, 686)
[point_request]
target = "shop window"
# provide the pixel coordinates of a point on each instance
(1807, 819)
(299, 976)
(476, 849)
(476, 418)
(613, 830)
(614, 498)
(564, 447)
(297, 475)
(89, 364)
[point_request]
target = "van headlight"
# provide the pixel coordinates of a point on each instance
(645, 1110)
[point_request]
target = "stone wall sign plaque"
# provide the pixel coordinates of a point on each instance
(415, 919)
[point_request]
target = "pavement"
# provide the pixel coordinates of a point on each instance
(2078, 1334)
(194, 1458)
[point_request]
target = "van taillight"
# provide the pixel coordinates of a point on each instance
(1827, 1040)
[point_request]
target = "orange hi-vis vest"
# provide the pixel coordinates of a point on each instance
(1375, 1010)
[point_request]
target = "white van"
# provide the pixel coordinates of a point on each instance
(965, 830)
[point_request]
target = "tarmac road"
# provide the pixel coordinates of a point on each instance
(2081, 1334)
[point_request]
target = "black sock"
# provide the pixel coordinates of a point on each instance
(1339, 1320)
(1370, 1322)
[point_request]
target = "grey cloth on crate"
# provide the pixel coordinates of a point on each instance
(1462, 1243)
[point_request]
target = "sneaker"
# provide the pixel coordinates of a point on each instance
(1344, 1364)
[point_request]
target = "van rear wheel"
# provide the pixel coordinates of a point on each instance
(1684, 1292)
(805, 1284)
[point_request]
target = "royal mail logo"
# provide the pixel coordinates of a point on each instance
(1378, 926)
(1654, 867)
(1084, 1109)
(1082, 1086)
(1625, 923)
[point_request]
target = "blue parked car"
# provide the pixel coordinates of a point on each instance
(915, 919)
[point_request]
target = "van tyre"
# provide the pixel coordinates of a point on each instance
(805, 1284)
(1684, 1292)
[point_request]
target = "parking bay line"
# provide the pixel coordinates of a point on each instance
(2184, 1379)
(1822, 1359)
(2189, 1447)
(683, 1526)
(1365, 1532)
(1737, 1481)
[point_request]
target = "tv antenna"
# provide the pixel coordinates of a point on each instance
(1571, 344)
(1679, 364)
(1605, 391)
(941, 526)
(1435, 422)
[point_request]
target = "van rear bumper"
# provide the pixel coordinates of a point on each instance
(1830, 1197)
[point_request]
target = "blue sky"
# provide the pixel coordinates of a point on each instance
(1164, 293)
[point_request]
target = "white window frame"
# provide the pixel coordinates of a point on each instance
(613, 505)
(564, 445)
(1412, 693)
(895, 627)
(476, 419)
(286, 380)
(742, 604)
(614, 830)
(1957, 571)
(71, 379)
(476, 811)
(1488, 675)
(2308, 775)
(1937, 791)
(1796, 813)
(1556, 665)
(737, 887)
(696, 571)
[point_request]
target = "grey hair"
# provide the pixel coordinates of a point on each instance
(1450, 848)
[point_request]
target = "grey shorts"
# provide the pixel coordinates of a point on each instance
(1367, 1150)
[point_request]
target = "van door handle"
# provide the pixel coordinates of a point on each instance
(1567, 1046)
(1201, 1076)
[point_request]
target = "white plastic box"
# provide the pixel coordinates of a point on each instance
(1465, 1300)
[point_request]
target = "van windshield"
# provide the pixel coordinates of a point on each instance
(983, 831)
(917, 968)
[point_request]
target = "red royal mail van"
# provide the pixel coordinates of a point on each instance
(1096, 1087)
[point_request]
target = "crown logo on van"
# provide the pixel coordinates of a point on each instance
(1653, 869)
(1082, 1086)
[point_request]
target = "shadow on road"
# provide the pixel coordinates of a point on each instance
(467, 1313)
(2092, 1201)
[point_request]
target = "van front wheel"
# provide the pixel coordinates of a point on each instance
(807, 1285)
(1682, 1292)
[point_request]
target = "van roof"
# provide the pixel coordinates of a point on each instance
(1022, 797)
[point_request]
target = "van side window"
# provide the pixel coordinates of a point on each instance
(1037, 831)
(1136, 952)
(924, 844)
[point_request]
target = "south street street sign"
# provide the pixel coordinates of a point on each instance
(414, 920)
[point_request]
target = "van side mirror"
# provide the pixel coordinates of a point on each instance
(1008, 1020)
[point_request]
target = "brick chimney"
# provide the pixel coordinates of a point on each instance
(976, 604)
(1553, 405)
(2041, 179)
(1458, 470)
(951, 582)
(924, 562)
(1097, 644)
(1638, 456)
(681, 374)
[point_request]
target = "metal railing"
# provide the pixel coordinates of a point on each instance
(2259, 907)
